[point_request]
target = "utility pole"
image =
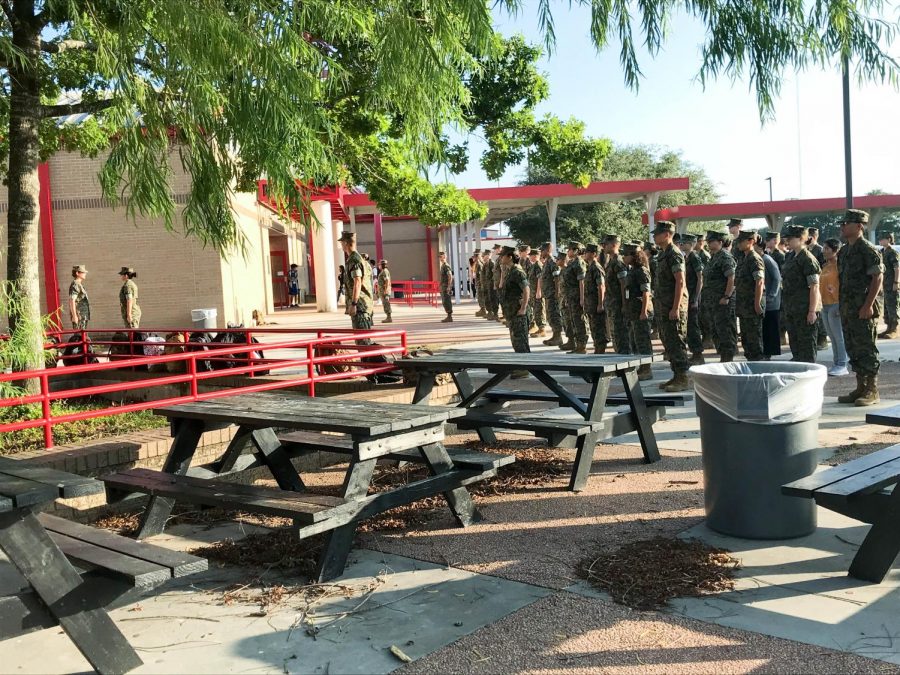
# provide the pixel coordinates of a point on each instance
(770, 187)
(848, 158)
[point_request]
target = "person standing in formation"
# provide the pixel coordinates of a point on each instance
(594, 296)
(717, 299)
(384, 290)
(638, 305)
(128, 299)
(496, 274)
(891, 284)
(561, 264)
(694, 273)
(800, 299)
(79, 303)
(446, 277)
(616, 274)
(487, 284)
(773, 248)
(547, 294)
(771, 333)
(358, 295)
(652, 259)
(814, 247)
(534, 284)
(673, 304)
(705, 328)
(750, 299)
(861, 273)
(573, 287)
(515, 297)
(735, 225)
(477, 274)
(829, 287)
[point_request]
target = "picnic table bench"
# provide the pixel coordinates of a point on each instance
(74, 570)
(275, 428)
(864, 489)
(484, 404)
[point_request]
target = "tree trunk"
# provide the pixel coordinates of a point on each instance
(24, 188)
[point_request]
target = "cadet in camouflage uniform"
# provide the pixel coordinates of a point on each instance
(128, 299)
(594, 292)
(717, 298)
(861, 272)
(522, 251)
(705, 327)
(561, 264)
(487, 285)
(446, 276)
(384, 290)
(800, 295)
(537, 304)
(616, 274)
(638, 306)
(79, 303)
(358, 294)
(652, 258)
(547, 295)
(694, 273)
(479, 288)
(734, 229)
(891, 282)
(814, 247)
(750, 296)
(515, 297)
(673, 305)
(496, 278)
(573, 289)
(773, 248)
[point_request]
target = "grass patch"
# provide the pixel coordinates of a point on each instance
(71, 432)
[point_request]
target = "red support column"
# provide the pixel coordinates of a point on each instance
(430, 252)
(51, 281)
(379, 242)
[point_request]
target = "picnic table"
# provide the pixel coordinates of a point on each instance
(36, 553)
(484, 403)
(275, 428)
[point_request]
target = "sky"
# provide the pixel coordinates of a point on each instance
(719, 127)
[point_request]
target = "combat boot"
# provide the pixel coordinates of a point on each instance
(697, 359)
(855, 394)
(447, 319)
(480, 312)
(726, 358)
(387, 320)
(600, 349)
(533, 332)
(679, 383)
(580, 348)
(645, 373)
(869, 395)
(555, 340)
(890, 332)
(568, 345)
(663, 385)
(541, 332)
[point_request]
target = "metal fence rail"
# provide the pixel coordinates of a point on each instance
(417, 292)
(297, 357)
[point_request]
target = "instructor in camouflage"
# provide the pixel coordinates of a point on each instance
(673, 305)
(547, 294)
(800, 295)
(573, 289)
(717, 299)
(750, 298)
(594, 296)
(616, 274)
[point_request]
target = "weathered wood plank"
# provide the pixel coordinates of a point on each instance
(889, 417)
(68, 484)
(878, 551)
(866, 482)
(138, 573)
(667, 400)
(25, 492)
(268, 445)
(178, 563)
(806, 487)
(642, 417)
(452, 361)
(458, 499)
(584, 454)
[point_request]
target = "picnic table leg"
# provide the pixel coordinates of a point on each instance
(459, 500)
(339, 541)
(465, 388)
(284, 473)
(642, 422)
(584, 455)
(158, 510)
(424, 387)
(879, 549)
(56, 582)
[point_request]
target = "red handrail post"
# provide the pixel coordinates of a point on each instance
(192, 370)
(311, 371)
(46, 412)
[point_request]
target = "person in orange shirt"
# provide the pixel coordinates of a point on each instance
(829, 287)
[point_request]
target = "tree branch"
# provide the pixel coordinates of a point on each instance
(64, 109)
(63, 45)
(8, 10)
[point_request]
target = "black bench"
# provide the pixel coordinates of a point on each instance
(862, 489)
(666, 400)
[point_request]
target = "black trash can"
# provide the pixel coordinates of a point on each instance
(758, 430)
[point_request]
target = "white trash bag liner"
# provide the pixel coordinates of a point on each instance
(762, 392)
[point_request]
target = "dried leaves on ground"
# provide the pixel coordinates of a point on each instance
(647, 574)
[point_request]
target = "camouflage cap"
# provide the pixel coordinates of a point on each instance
(546, 246)
(486, 251)
(611, 239)
(688, 238)
(630, 248)
(533, 251)
(735, 222)
(677, 238)
(746, 235)
(384, 262)
(348, 236)
(560, 254)
(773, 235)
(591, 248)
(575, 246)
(648, 245)
(126, 270)
(79, 268)
(477, 251)
(794, 231)
(497, 246)
(663, 226)
(507, 250)
(715, 235)
(856, 216)
(523, 248)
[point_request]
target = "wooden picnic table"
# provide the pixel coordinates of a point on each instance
(598, 370)
(273, 429)
(35, 553)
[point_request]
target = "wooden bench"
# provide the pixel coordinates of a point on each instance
(862, 489)
(666, 400)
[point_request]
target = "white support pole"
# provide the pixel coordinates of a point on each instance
(353, 219)
(875, 216)
(337, 227)
(454, 260)
(552, 206)
(651, 200)
(681, 225)
(323, 257)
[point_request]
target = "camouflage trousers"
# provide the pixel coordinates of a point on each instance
(386, 303)
(597, 323)
(81, 324)
(891, 307)
(577, 320)
(479, 296)
(672, 333)
(566, 322)
(537, 311)
(618, 329)
(447, 300)
(518, 331)
(694, 334)
(706, 327)
(751, 336)
(554, 318)
(135, 320)
(723, 326)
(802, 336)
(640, 330)
(859, 340)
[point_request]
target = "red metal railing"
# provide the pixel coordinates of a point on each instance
(301, 355)
(417, 292)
